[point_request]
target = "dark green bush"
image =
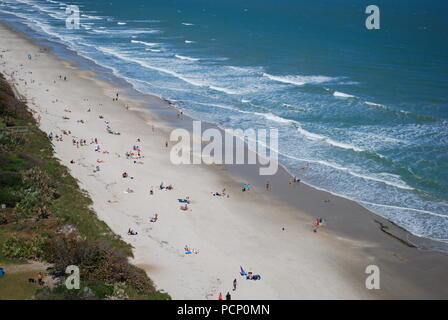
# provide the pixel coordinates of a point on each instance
(23, 249)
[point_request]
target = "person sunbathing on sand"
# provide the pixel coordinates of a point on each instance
(154, 218)
(112, 201)
(184, 207)
(132, 232)
(186, 200)
(189, 250)
(129, 190)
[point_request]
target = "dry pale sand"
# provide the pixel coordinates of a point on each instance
(245, 229)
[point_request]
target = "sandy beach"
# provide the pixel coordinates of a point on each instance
(267, 233)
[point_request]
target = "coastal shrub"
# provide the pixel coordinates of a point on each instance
(3, 219)
(13, 163)
(101, 290)
(23, 249)
(40, 179)
(61, 292)
(9, 139)
(97, 262)
(37, 196)
(119, 292)
(10, 179)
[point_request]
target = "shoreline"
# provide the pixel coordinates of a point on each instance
(165, 111)
(355, 230)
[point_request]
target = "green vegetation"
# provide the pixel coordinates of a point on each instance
(47, 218)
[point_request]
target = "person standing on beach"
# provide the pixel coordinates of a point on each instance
(220, 296)
(234, 284)
(228, 296)
(268, 185)
(40, 278)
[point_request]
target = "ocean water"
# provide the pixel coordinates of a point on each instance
(365, 110)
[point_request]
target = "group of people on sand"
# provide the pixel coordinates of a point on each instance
(168, 187)
(294, 180)
(317, 223)
(189, 250)
(78, 143)
(249, 275)
(57, 137)
(228, 295)
(131, 232)
(186, 202)
(135, 154)
(221, 194)
(126, 175)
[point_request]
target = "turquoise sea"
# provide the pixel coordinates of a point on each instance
(367, 110)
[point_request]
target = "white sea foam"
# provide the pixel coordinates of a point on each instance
(99, 31)
(299, 80)
(89, 17)
(336, 166)
(318, 137)
(272, 117)
(187, 24)
(185, 58)
(149, 44)
(225, 90)
(342, 95)
(189, 41)
(140, 31)
(375, 104)
(144, 64)
(121, 23)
